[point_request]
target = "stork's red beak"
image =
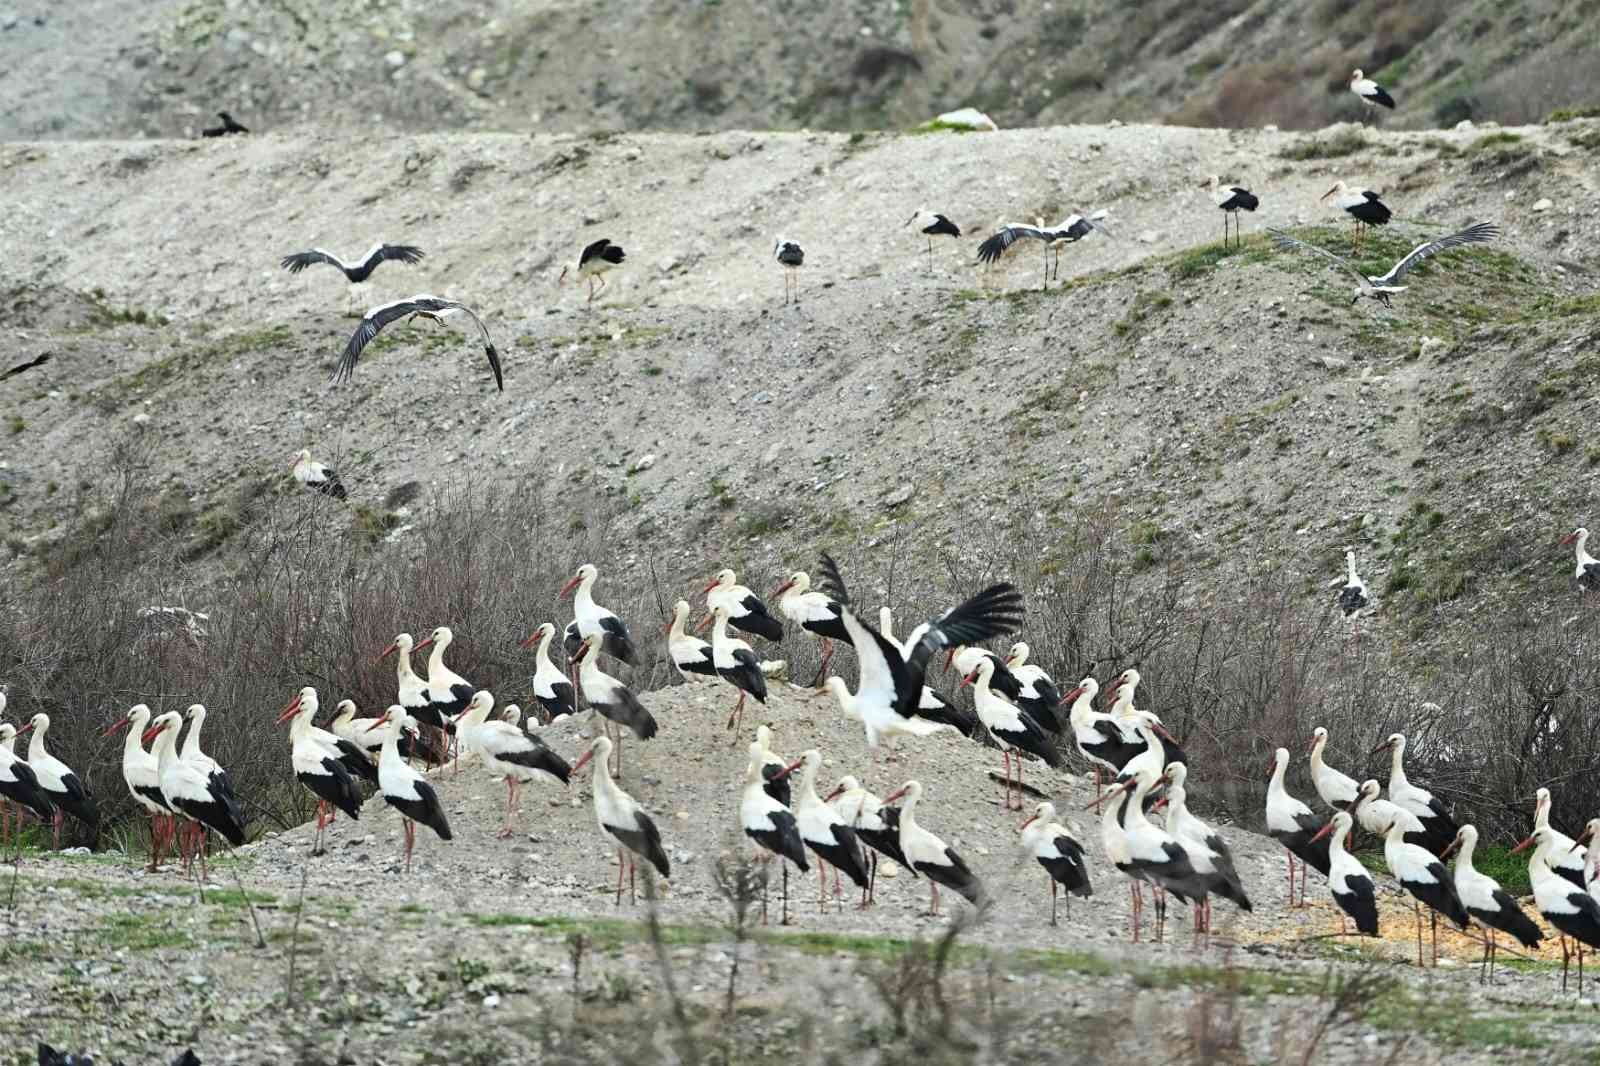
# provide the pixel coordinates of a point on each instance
(787, 770)
(835, 794)
(705, 623)
(566, 590)
(289, 711)
(1073, 695)
(530, 641)
(390, 650)
(1569, 538)
(1381, 747)
(1449, 848)
(1324, 831)
(781, 589)
(583, 760)
(891, 797)
(1029, 822)
(1124, 786)
(1521, 846)
(969, 679)
(1162, 730)
(118, 726)
(1329, 193)
(24, 729)
(376, 722)
(714, 583)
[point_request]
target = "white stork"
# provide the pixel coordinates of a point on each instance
(614, 700)
(214, 772)
(508, 752)
(63, 788)
(1436, 821)
(829, 836)
(1145, 852)
(1069, 230)
(736, 664)
(403, 788)
(315, 476)
(1292, 824)
(876, 825)
(1353, 598)
(189, 791)
(411, 692)
(689, 654)
(812, 611)
(18, 783)
(448, 692)
(420, 305)
(321, 764)
(1587, 573)
(1381, 287)
(596, 260)
(359, 270)
(791, 257)
(1420, 873)
(1097, 736)
(1370, 92)
(1208, 852)
(594, 620)
(773, 766)
(1037, 693)
(926, 854)
(1492, 906)
(1348, 881)
(1337, 789)
(1377, 815)
(1570, 909)
(933, 706)
(1014, 729)
(746, 612)
(1567, 857)
(141, 772)
(621, 818)
(1231, 199)
(768, 820)
(1055, 849)
(1365, 207)
(965, 659)
(551, 687)
(932, 225)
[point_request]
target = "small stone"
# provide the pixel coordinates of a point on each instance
(1429, 346)
(1330, 362)
(492, 1000)
(644, 462)
(141, 418)
(762, 397)
(1464, 124)
(1148, 237)
(476, 77)
(899, 496)
(197, 980)
(395, 58)
(1543, 204)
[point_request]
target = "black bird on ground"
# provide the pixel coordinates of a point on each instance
(229, 126)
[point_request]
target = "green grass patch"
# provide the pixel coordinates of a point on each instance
(1498, 139)
(937, 126)
(1335, 146)
(1569, 114)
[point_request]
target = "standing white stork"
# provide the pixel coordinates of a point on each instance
(746, 612)
(1096, 734)
(1370, 92)
(933, 225)
(926, 854)
(1420, 873)
(965, 659)
(876, 826)
(551, 687)
(814, 612)
(611, 698)
(315, 476)
(1144, 726)
(1567, 857)
(829, 836)
(411, 692)
(596, 260)
(1049, 842)
(320, 765)
(736, 664)
(621, 818)
(689, 654)
(402, 787)
(1348, 881)
(63, 788)
(768, 820)
(1365, 207)
(1377, 815)
(1574, 912)
(1292, 824)
(358, 271)
(1231, 199)
(1037, 693)
(1015, 729)
(1336, 789)
(508, 752)
(190, 752)
(1492, 906)
(141, 772)
(448, 692)
(773, 767)
(18, 783)
(343, 725)
(1145, 852)
(1208, 852)
(791, 257)
(1353, 598)
(1587, 573)
(594, 620)
(1436, 821)
(189, 791)
(424, 306)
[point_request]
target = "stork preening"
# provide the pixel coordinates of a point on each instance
(1015, 729)
(965, 659)
(403, 788)
(1055, 849)
(931, 857)
(814, 612)
(425, 306)
(1231, 199)
(830, 837)
(611, 698)
(773, 767)
(596, 260)
(60, 786)
(315, 476)
(1069, 230)
(141, 771)
(18, 784)
(1348, 881)
(1588, 572)
(552, 688)
(1436, 821)
(932, 225)
(876, 825)
(1378, 815)
(1573, 911)
(594, 620)
(1370, 92)
(621, 818)
(321, 766)
(189, 791)
(508, 752)
(1208, 852)
(229, 126)
(690, 655)
(1353, 597)
(360, 270)
(1492, 906)
(1036, 694)
(736, 664)
(791, 257)
(746, 612)
(1292, 824)
(769, 822)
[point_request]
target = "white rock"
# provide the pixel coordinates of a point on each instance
(1148, 237)
(644, 462)
(492, 1000)
(1543, 204)
(395, 58)
(969, 117)
(1464, 124)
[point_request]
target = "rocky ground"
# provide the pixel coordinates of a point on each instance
(472, 953)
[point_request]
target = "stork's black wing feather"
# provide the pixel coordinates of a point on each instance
(399, 253)
(993, 247)
(370, 327)
(994, 611)
(832, 583)
(300, 260)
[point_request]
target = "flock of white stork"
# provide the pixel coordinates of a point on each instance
(1016, 708)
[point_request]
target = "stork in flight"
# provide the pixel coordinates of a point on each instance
(424, 305)
(1381, 287)
(359, 270)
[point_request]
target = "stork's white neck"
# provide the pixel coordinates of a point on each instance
(1397, 770)
(1469, 843)
(1582, 549)
(1350, 566)
(133, 743)
(436, 655)
(191, 739)
(676, 633)
(1275, 783)
(167, 747)
(36, 742)
(402, 667)
(1317, 744)
(1082, 708)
